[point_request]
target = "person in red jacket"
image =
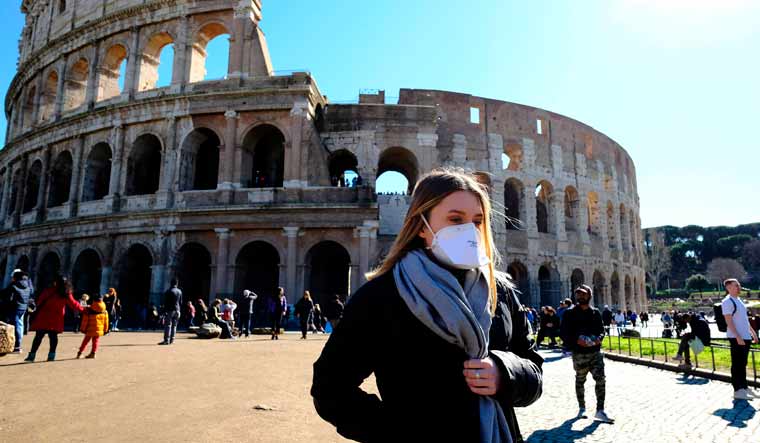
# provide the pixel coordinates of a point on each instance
(48, 320)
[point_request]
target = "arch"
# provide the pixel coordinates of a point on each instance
(629, 302)
(32, 189)
(593, 226)
(550, 285)
(543, 195)
(49, 267)
(28, 107)
(192, 268)
(327, 271)
(86, 273)
(340, 163)
(23, 263)
(209, 41)
(615, 294)
(513, 195)
(257, 268)
(572, 203)
(263, 157)
(151, 60)
(110, 78)
(401, 160)
(600, 287)
(520, 277)
(60, 180)
(75, 87)
(514, 156)
(16, 184)
(144, 165)
(199, 153)
(48, 96)
(97, 174)
(611, 236)
(576, 278)
(135, 278)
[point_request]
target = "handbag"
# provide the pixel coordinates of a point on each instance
(696, 345)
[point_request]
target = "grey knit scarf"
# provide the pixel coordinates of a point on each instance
(459, 315)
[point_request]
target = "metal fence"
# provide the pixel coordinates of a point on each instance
(707, 361)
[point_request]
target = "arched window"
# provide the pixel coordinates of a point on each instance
(200, 160)
(343, 169)
(157, 61)
(144, 166)
(264, 157)
(60, 180)
(572, 203)
(112, 72)
(32, 186)
(28, 110)
(543, 205)
(513, 191)
(97, 178)
(593, 214)
(397, 171)
(47, 100)
(210, 55)
(75, 88)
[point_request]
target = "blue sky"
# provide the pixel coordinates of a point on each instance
(674, 82)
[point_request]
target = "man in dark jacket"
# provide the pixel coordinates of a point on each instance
(607, 319)
(583, 331)
(333, 311)
(700, 329)
(16, 298)
(171, 310)
(246, 311)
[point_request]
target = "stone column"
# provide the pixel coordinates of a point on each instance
(60, 89)
(91, 94)
(237, 39)
(617, 230)
(133, 64)
(7, 185)
(459, 153)
(21, 194)
(529, 202)
(36, 109)
(228, 160)
(114, 183)
(9, 266)
(76, 175)
(164, 195)
(365, 234)
(223, 250)
(42, 192)
(581, 218)
(557, 214)
(291, 232)
(181, 67)
(157, 283)
(295, 174)
(107, 269)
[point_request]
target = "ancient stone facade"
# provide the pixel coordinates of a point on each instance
(230, 183)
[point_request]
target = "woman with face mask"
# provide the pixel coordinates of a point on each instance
(454, 356)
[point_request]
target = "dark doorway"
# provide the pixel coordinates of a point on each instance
(50, 266)
(264, 157)
(193, 271)
(86, 273)
(134, 285)
(60, 180)
(257, 268)
(97, 177)
(328, 271)
(144, 166)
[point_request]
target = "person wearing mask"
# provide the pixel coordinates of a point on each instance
(454, 338)
(583, 331)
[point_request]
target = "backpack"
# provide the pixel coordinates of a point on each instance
(720, 320)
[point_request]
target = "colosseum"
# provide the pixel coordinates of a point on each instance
(239, 182)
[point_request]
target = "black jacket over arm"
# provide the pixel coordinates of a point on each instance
(419, 375)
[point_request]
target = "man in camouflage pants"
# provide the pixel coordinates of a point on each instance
(582, 331)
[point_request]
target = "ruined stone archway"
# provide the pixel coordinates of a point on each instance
(572, 205)
(513, 195)
(33, 178)
(85, 276)
(550, 286)
(521, 279)
(60, 180)
(192, 268)
(75, 86)
(327, 271)
(111, 72)
(49, 267)
(144, 165)
(151, 59)
(200, 160)
(342, 163)
(263, 157)
(97, 175)
(543, 195)
(257, 268)
(135, 278)
(401, 160)
(615, 294)
(600, 288)
(200, 49)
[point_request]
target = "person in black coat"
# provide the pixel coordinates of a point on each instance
(548, 327)
(333, 310)
(304, 311)
(431, 388)
(699, 329)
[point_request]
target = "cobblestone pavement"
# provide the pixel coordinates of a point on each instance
(648, 405)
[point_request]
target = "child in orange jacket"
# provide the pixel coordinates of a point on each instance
(94, 325)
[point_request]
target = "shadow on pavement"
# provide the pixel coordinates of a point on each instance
(739, 415)
(564, 431)
(692, 380)
(553, 358)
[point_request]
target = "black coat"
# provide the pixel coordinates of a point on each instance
(419, 375)
(700, 328)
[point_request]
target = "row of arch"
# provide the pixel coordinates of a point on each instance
(621, 292)
(327, 271)
(111, 74)
(570, 211)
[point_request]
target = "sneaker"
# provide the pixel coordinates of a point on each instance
(752, 393)
(678, 357)
(581, 413)
(602, 417)
(742, 394)
(163, 343)
(17, 350)
(90, 355)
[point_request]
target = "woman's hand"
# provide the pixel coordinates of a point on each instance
(482, 376)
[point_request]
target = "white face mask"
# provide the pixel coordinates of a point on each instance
(458, 246)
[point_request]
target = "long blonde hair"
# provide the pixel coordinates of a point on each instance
(430, 190)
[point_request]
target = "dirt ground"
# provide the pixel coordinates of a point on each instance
(195, 390)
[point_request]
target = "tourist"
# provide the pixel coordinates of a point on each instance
(215, 317)
(620, 321)
(428, 323)
(633, 317)
(190, 314)
(739, 335)
(201, 314)
(319, 319)
(83, 300)
(304, 310)
(246, 313)
(644, 319)
(15, 301)
(48, 316)
(583, 332)
(94, 325)
(607, 318)
(680, 323)
(564, 306)
(700, 330)
(278, 307)
(171, 311)
(228, 312)
(113, 306)
(334, 311)
(548, 327)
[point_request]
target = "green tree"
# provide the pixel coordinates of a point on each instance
(731, 246)
(697, 282)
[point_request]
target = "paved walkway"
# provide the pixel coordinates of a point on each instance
(207, 391)
(648, 405)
